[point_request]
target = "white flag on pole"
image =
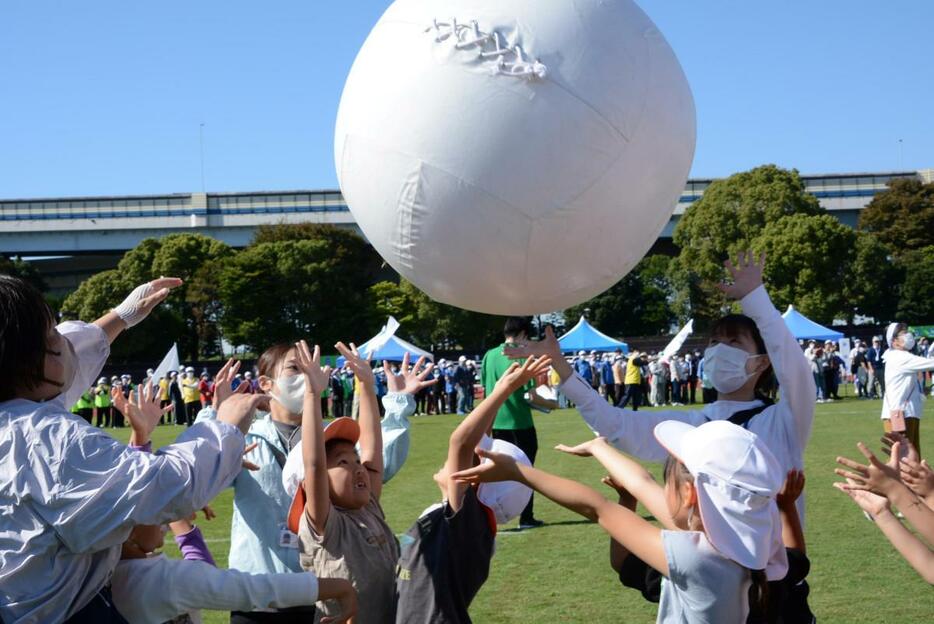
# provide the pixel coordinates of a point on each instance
(675, 345)
(379, 340)
(168, 363)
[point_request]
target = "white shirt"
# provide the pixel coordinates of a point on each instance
(902, 390)
(785, 427)
(70, 494)
(158, 589)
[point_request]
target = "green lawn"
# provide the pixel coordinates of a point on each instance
(561, 573)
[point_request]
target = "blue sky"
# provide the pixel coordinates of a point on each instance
(107, 97)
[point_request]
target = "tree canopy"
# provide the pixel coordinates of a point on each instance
(637, 305)
(902, 217)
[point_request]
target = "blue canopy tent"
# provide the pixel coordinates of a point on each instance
(803, 328)
(585, 337)
(393, 350)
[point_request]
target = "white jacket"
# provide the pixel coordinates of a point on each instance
(70, 494)
(902, 390)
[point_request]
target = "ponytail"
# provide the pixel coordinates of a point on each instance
(759, 596)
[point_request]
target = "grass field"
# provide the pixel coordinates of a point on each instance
(561, 572)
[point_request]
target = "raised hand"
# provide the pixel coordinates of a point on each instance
(547, 346)
(239, 409)
(316, 378)
(409, 380)
(143, 413)
(746, 274)
(875, 477)
(584, 449)
(517, 376)
(139, 303)
(361, 367)
(794, 485)
(223, 382)
(907, 448)
(873, 504)
(918, 476)
(501, 467)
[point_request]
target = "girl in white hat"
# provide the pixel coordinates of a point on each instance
(722, 530)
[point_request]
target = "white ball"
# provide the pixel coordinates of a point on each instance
(514, 156)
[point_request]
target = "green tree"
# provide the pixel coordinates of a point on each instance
(725, 220)
(301, 288)
(17, 267)
(193, 258)
(873, 280)
(431, 324)
(902, 216)
(808, 258)
(916, 303)
(637, 305)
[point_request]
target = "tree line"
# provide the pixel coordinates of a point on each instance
(327, 283)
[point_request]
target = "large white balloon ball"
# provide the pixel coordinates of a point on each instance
(514, 156)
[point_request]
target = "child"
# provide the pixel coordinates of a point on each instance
(787, 598)
(742, 353)
(71, 493)
(149, 588)
(343, 532)
(446, 554)
(717, 507)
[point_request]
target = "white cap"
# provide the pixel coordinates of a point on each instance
(190, 369)
(462, 358)
(890, 333)
(507, 499)
(581, 352)
(737, 479)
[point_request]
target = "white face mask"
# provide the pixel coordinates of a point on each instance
(725, 366)
(908, 341)
(291, 392)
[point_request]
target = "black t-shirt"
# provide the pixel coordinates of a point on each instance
(788, 598)
(857, 361)
(444, 561)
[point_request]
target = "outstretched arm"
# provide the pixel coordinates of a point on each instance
(630, 475)
(470, 432)
(914, 551)
(371, 432)
(317, 494)
(137, 306)
(640, 537)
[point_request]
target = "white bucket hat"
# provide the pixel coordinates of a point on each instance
(507, 499)
(890, 333)
(737, 479)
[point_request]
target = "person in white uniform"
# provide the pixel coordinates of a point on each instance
(742, 351)
(69, 493)
(901, 403)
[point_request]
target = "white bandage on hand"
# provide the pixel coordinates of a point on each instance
(131, 310)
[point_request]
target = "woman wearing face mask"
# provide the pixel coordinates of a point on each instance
(901, 403)
(739, 360)
(69, 493)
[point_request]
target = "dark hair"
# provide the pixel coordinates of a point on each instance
(759, 595)
(267, 362)
(735, 325)
(516, 325)
(334, 442)
(25, 319)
